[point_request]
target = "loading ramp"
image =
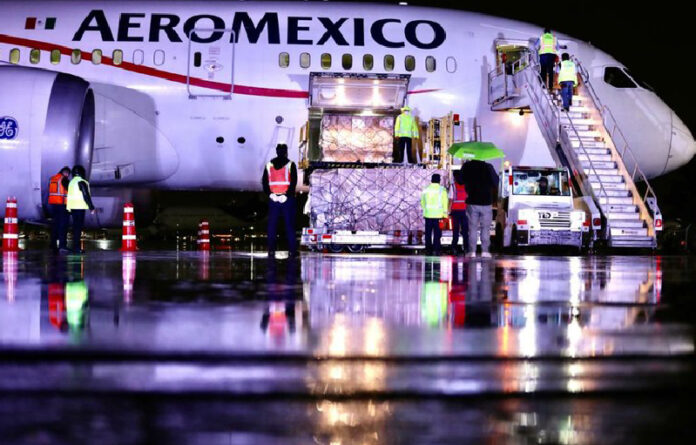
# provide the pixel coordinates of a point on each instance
(588, 141)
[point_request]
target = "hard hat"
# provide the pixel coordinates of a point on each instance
(405, 108)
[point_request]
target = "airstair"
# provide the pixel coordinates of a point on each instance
(587, 140)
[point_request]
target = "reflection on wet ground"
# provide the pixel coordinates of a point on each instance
(360, 348)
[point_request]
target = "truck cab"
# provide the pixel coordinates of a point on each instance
(536, 208)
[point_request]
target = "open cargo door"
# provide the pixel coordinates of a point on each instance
(363, 92)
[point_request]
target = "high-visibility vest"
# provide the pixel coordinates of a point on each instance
(405, 126)
(278, 180)
(434, 201)
(547, 44)
(459, 198)
(56, 192)
(75, 199)
(568, 73)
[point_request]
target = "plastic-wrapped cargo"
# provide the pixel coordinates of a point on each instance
(350, 138)
(381, 199)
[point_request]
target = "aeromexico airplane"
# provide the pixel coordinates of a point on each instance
(194, 95)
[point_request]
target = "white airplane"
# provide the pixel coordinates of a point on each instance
(194, 95)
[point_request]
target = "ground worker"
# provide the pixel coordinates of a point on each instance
(547, 46)
(57, 197)
(460, 223)
(481, 183)
(434, 202)
(405, 131)
(568, 79)
(279, 181)
(78, 201)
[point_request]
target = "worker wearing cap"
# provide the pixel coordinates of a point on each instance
(78, 201)
(435, 204)
(279, 181)
(547, 47)
(405, 131)
(57, 198)
(568, 79)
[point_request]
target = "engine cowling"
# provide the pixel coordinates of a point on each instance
(46, 122)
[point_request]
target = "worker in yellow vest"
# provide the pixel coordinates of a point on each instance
(547, 46)
(279, 182)
(78, 202)
(405, 131)
(57, 197)
(435, 204)
(568, 79)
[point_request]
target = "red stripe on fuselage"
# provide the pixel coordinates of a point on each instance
(173, 77)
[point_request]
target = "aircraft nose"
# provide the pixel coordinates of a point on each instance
(683, 146)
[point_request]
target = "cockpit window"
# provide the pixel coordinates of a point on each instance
(615, 77)
(638, 81)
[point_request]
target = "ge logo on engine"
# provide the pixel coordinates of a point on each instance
(8, 127)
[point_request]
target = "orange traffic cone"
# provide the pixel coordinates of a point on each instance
(10, 236)
(128, 243)
(203, 235)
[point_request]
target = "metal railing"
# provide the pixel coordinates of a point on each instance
(616, 135)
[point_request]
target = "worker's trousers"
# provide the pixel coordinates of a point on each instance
(433, 233)
(547, 62)
(567, 94)
(78, 222)
(286, 211)
(404, 144)
(480, 218)
(460, 224)
(59, 226)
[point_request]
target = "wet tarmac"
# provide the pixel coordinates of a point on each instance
(228, 347)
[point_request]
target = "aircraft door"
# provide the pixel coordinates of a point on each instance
(210, 69)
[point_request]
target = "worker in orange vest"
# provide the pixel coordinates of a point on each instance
(279, 182)
(57, 198)
(460, 222)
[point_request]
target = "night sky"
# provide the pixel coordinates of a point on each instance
(650, 41)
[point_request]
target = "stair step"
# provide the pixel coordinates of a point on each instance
(620, 208)
(604, 179)
(611, 189)
(578, 127)
(585, 134)
(615, 200)
(575, 143)
(579, 109)
(623, 216)
(577, 121)
(598, 164)
(593, 157)
(628, 232)
(626, 223)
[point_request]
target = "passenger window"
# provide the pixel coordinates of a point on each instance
(388, 62)
(97, 56)
(368, 62)
(76, 56)
(410, 63)
(305, 60)
(197, 59)
(14, 56)
(284, 60)
(347, 61)
(451, 64)
(34, 56)
(615, 77)
(430, 64)
(158, 57)
(117, 57)
(326, 61)
(138, 56)
(55, 56)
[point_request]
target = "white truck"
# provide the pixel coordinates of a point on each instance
(536, 208)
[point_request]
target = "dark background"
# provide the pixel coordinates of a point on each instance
(651, 38)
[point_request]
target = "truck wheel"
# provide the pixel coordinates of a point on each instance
(356, 248)
(335, 248)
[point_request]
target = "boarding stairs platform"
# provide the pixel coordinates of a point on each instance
(588, 140)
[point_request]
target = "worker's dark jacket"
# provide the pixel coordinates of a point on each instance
(481, 182)
(279, 163)
(86, 195)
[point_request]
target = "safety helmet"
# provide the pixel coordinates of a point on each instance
(405, 108)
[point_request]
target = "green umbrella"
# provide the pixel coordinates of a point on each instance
(481, 151)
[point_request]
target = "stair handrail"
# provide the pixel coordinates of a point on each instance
(533, 66)
(606, 113)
